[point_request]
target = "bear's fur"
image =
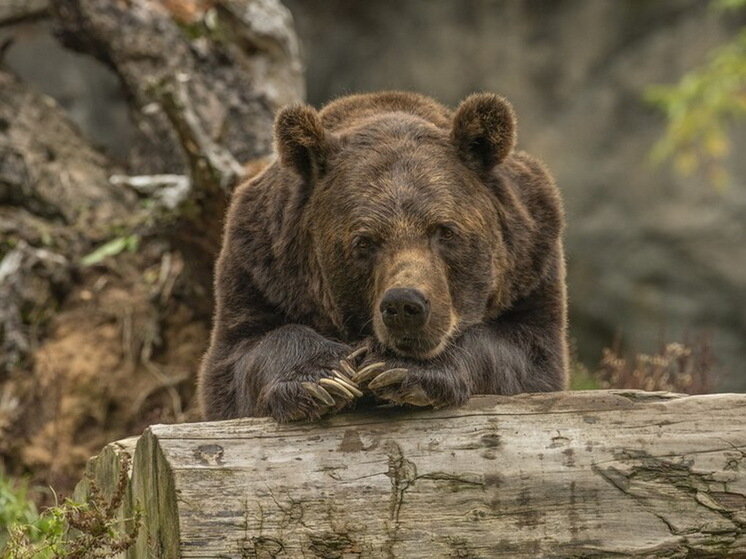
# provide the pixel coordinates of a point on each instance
(391, 223)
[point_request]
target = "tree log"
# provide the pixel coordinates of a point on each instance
(576, 474)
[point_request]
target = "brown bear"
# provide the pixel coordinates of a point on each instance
(394, 249)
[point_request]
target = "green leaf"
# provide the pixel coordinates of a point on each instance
(701, 111)
(112, 248)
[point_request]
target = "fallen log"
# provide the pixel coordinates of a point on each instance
(574, 474)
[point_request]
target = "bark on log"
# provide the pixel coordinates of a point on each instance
(578, 474)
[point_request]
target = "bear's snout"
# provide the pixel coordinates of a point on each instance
(413, 315)
(404, 309)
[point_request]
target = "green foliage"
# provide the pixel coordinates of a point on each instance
(69, 530)
(701, 108)
(111, 248)
(730, 4)
(15, 506)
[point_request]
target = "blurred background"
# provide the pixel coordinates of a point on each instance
(654, 256)
(637, 107)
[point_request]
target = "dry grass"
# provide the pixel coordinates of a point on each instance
(688, 367)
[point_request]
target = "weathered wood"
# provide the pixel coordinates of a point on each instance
(577, 474)
(238, 61)
(104, 470)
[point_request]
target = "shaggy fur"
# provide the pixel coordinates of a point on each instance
(379, 192)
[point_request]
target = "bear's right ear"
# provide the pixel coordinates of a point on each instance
(484, 130)
(301, 141)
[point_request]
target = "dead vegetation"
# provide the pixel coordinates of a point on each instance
(73, 530)
(687, 367)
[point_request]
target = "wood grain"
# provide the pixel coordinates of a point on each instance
(576, 474)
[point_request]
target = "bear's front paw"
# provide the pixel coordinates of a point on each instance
(310, 395)
(414, 385)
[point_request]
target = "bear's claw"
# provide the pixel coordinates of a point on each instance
(352, 387)
(318, 393)
(346, 382)
(387, 378)
(359, 352)
(386, 387)
(349, 363)
(344, 389)
(332, 393)
(368, 372)
(417, 397)
(336, 374)
(347, 368)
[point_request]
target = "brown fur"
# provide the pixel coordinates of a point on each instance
(379, 192)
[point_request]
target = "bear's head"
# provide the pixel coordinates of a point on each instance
(404, 214)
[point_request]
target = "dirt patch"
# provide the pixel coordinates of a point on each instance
(121, 353)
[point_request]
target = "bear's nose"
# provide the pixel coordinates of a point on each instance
(404, 308)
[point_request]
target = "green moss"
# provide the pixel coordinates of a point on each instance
(582, 379)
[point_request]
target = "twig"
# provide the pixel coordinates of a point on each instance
(210, 164)
(169, 190)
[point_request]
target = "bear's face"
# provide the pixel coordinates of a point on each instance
(404, 229)
(399, 232)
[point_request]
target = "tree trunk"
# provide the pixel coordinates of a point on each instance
(576, 474)
(204, 78)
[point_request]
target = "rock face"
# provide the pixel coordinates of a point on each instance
(652, 257)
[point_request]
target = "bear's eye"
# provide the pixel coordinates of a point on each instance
(445, 232)
(362, 245)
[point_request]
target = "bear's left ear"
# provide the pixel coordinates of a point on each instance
(484, 130)
(301, 141)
